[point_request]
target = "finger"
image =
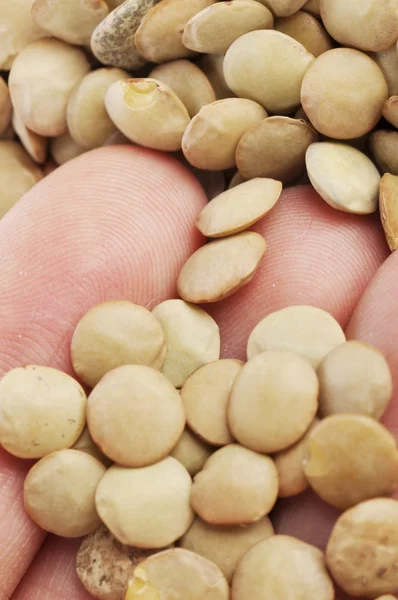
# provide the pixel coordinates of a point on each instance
(115, 223)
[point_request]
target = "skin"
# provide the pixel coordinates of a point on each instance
(316, 255)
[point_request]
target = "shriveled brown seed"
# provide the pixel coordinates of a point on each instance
(156, 514)
(236, 487)
(289, 464)
(59, 493)
(388, 63)
(239, 207)
(112, 334)
(343, 93)
(362, 552)
(88, 121)
(383, 146)
(213, 30)
(192, 336)
(41, 81)
(284, 567)
(267, 66)
(104, 565)
(177, 574)
(237, 179)
(205, 396)
(307, 30)
(388, 204)
(188, 82)
(313, 7)
(5, 106)
(275, 147)
(283, 8)
(344, 177)
(148, 112)
(225, 545)
(34, 144)
(354, 378)
(86, 444)
(305, 330)
(18, 174)
(267, 411)
(220, 268)
(191, 452)
(351, 458)
(211, 138)
(63, 149)
(73, 21)
(159, 36)
(390, 110)
(371, 27)
(212, 66)
(113, 41)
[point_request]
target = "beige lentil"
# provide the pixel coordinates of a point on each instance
(212, 66)
(34, 144)
(362, 552)
(275, 147)
(307, 30)
(86, 444)
(344, 177)
(223, 545)
(268, 412)
(211, 138)
(371, 469)
(388, 63)
(235, 487)
(116, 333)
(192, 336)
(390, 111)
(191, 452)
(63, 149)
(214, 28)
(282, 567)
(220, 268)
(383, 146)
(305, 330)
(354, 378)
(18, 174)
(5, 106)
(388, 204)
(267, 66)
(59, 493)
(156, 514)
(283, 8)
(313, 7)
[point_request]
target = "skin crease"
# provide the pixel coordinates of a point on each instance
(118, 222)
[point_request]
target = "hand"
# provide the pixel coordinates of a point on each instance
(119, 223)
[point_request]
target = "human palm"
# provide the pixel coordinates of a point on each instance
(119, 223)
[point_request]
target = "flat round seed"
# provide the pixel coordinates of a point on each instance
(307, 30)
(41, 410)
(18, 174)
(354, 378)
(177, 574)
(34, 144)
(188, 82)
(223, 545)
(105, 566)
(371, 27)
(41, 80)
(268, 67)
(73, 21)
(268, 412)
(113, 41)
(390, 111)
(372, 468)
(88, 121)
(213, 29)
(213, 66)
(286, 568)
(205, 396)
(283, 8)
(211, 138)
(86, 444)
(135, 415)
(5, 106)
(112, 334)
(192, 336)
(344, 177)
(388, 63)
(63, 149)
(343, 93)
(275, 147)
(362, 552)
(191, 452)
(220, 268)
(236, 209)
(388, 204)
(304, 330)
(235, 487)
(156, 514)
(148, 112)
(289, 464)
(383, 146)
(59, 493)
(159, 36)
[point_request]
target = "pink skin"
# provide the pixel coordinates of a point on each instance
(119, 223)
